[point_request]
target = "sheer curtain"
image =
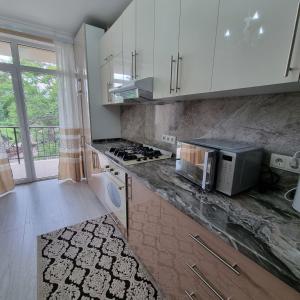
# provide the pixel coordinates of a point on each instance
(6, 176)
(70, 153)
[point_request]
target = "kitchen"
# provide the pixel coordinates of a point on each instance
(190, 139)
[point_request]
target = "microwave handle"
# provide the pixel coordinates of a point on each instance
(205, 171)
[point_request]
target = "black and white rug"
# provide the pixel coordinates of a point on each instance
(91, 260)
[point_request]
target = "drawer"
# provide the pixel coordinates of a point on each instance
(221, 270)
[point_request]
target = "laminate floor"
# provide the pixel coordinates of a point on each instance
(30, 210)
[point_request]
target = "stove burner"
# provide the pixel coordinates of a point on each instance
(135, 152)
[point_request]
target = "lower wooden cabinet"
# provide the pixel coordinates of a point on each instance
(188, 261)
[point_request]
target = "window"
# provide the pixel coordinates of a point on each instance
(5, 53)
(28, 87)
(35, 57)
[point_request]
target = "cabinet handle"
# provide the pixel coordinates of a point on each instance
(232, 267)
(135, 55)
(179, 59)
(108, 87)
(196, 271)
(191, 296)
(288, 66)
(171, 76)
(132, 56)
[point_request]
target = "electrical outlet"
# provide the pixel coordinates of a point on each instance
(170, 139)
(283, 162)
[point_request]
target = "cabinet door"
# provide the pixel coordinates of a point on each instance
(198, 25)
(143, 225)
(116, 71)
(253, 43)
(144, 38)
(116, 38)
(105, 48)
(129, 41)
(165, 46)
(105, 76)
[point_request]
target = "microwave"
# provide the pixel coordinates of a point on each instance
(226, 166)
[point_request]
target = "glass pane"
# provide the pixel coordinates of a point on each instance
(9, 126)
(34, 57)
(5, 53)
(42, 112)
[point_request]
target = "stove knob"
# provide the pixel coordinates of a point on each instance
(116, 173)
(107, 167)
(145, 158)
(111, 169)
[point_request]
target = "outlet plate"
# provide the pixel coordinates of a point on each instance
(282, 162)
(170, 139)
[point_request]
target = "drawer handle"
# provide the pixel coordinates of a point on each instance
(288, 67)
(196, 271)
(191, 296)
(232, 267)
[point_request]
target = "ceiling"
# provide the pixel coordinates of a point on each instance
(63, 16)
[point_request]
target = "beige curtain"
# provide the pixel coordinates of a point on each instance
(71, 152)
(6, 176)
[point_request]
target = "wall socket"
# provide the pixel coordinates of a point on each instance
(170, 139)
(283, 162)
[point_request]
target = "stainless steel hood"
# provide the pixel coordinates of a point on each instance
(135, 91)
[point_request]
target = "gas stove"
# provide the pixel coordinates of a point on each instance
(137, 154)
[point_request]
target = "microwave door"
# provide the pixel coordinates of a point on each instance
(209, 170)
(196, 163)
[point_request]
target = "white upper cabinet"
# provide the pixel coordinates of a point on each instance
(198, 25)
(254, 42)
(167, 14)
(116, 38)
(116, 67)
(144, 38)
(129, 29)
(105, 48)
(105, 78)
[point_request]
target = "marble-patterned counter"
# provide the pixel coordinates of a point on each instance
(263, 227)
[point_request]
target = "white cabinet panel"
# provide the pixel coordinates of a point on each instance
(105, 77)
(165, 46)
(129, 41)
(253, 43)
(144, 38)
(116, 67)
(105, 48)
(198, 25)
(116, 37)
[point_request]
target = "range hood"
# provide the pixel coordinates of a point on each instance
(135, 91)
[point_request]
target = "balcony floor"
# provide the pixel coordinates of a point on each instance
(43, 168)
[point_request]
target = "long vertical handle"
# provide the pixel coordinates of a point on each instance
(179, 59)
(171, 76)
(135, 55)
(132, 56)
(288, 66)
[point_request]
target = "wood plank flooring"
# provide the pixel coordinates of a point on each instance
(30, 210)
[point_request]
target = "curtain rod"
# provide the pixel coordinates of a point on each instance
(35, 30)
(26, 35)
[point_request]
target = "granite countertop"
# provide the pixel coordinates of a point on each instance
(263, 227)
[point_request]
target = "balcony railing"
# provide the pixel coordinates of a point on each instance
(44, 142)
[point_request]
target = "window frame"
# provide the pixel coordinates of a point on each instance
(16, 70)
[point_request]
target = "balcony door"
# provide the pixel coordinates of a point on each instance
(29, 109)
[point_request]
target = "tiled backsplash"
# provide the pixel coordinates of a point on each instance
(270, 121)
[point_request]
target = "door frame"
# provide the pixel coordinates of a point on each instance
(16, 70)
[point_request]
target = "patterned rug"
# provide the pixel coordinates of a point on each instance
(91, 260)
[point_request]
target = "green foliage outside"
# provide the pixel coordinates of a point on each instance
(42, 110)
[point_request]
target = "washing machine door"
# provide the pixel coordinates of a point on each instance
(116, 199)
